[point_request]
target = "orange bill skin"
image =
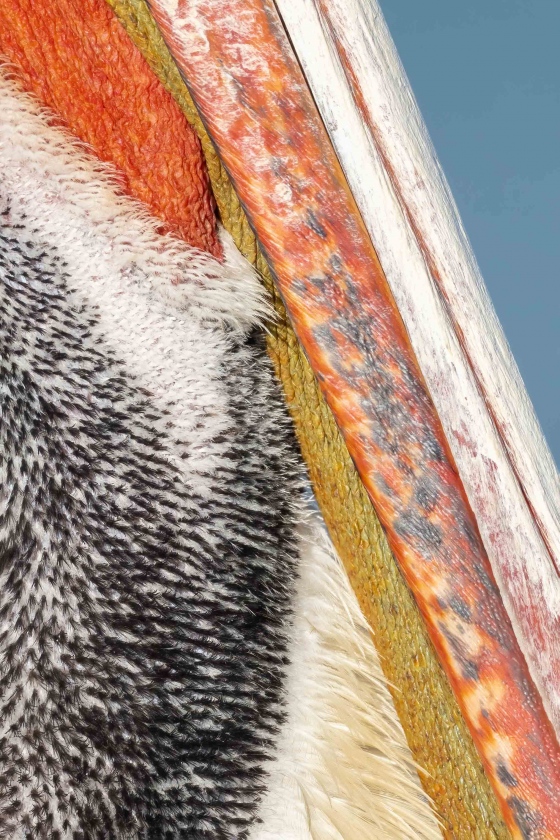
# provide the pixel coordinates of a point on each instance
(250, 91)
(76, 58)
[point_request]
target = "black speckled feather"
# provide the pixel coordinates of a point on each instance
(142, 622)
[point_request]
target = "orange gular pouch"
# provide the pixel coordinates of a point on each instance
(76, 58)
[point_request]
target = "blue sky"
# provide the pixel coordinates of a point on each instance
(486, 75)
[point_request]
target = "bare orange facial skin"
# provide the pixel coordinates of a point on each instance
(77, 59)
(259, 112)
